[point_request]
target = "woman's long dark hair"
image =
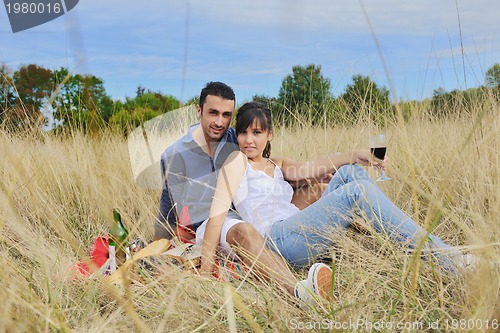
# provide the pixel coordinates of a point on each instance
(247, 114)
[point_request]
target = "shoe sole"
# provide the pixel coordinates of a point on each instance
(321, 277)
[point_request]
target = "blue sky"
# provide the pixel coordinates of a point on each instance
(177, 46)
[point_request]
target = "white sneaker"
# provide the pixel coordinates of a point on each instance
(318, 285)
(469, 261)
(303, 292)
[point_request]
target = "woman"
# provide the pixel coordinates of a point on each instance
(258, 187)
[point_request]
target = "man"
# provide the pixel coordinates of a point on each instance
(189, 171)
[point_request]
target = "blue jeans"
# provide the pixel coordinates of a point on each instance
(351, 193)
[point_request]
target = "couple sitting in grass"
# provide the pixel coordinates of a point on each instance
(240, 198)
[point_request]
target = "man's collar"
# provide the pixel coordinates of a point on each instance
(188, 140)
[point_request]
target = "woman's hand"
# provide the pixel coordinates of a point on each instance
(208, 254)
(365, 157)
(207, 267)
(229, 180)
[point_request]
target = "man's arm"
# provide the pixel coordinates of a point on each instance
(166, 221)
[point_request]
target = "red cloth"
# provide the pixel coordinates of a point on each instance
(184, 230)
(99, 254)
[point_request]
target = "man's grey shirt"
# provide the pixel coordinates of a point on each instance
(189, 178)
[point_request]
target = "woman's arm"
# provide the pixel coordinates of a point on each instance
(294, 171)
(228, 181)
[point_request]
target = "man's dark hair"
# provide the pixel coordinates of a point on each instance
(218, 89)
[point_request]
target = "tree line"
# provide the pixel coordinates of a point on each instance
(36, 96)
(446, 103)
(306, 92)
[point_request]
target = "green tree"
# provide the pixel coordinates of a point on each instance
(442, 102)
(7, 95)
(305, 91)
(362, 98)
(492, 78)
(193, 100)
(270, 102)
(81, 100)
(155, 101)
(33, 86)
(458, 102)
(66, 104)
(95, 100)
(144, 106)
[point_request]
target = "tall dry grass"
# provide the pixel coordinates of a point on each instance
(57, 194)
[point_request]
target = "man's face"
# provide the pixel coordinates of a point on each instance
(215, 117)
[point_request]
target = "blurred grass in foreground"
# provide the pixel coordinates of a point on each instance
(57, 194)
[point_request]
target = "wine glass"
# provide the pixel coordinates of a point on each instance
(378, 147)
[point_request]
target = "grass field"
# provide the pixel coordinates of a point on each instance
(57, 195)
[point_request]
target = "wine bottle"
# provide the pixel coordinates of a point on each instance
(118, 244)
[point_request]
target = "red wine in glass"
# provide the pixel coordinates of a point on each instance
(378, 152)
(378, 148)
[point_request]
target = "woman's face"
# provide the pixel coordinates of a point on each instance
(253, 140)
